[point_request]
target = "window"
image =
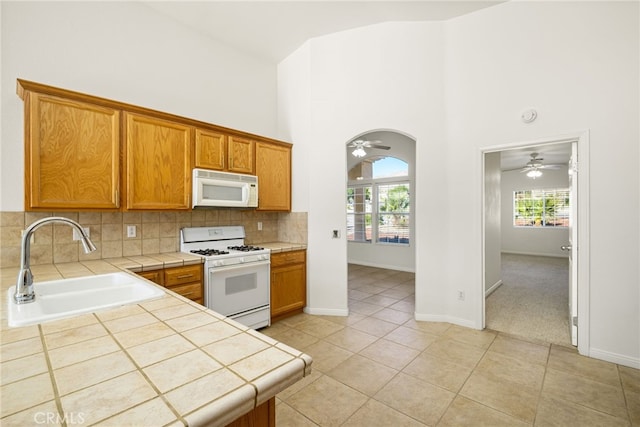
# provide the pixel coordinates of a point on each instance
(379, 202)
(541, 208)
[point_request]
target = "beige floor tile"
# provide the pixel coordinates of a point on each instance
(294, 321)
(296, 387)
(351, 339)
(318, 327)
(394, 316)
(364, 308)
(630, 378)
(455, 351)
(481, 339)
(406, 306)
(398, 292)
(374, 413)
(294, 338)
(512, 399)
(415, 398)
(327, 402)
(560, 413)
(633, 406)
(326, 356)
(411, 338)
(286, 416)
(358, 295)
(440, 372)
(520, 349)
(375, 327)
(465, 412)
(434, 328)
(390, 354)
(569, 361)
(381, 300)
(586, 392)
(362, 374)
(500, 368)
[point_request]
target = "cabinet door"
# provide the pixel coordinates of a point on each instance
(288, 284)
(211, 150)
(273, 168)
(156, 276)
(157, 164)
(71, 155)
(240, 155)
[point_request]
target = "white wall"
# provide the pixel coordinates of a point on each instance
(127, 52)
(460, 87)
(577, 64)
(527, 240)
(386, 76)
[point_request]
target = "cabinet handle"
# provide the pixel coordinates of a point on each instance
(187, 293)
(184, 276)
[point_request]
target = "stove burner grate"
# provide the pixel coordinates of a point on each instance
(245, 248)
(209, 252)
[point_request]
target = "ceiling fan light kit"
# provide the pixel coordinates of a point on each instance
(361, 144)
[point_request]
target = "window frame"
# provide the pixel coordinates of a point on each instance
(374, 184)
(541, 195)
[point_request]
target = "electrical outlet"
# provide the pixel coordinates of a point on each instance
(259, 226)
(131, 231)
(461, 295)
(336, 234)
(76, 234)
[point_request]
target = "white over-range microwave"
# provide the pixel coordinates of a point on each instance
(224, 189)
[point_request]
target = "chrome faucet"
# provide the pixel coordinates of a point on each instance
(24, 286)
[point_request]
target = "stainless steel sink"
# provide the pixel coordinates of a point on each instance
(70, 297)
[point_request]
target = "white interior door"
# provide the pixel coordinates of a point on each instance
(572, 247)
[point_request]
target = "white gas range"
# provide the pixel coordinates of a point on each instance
(236, 279)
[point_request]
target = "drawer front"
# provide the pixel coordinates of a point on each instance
(181, 275)
(192, 291)
(291, 257)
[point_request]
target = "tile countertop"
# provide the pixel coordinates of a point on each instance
(167, 361)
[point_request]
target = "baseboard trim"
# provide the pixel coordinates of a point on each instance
(326, 311)
(493, 288)
(387, 266)
(535, 254)
(620, 359)
(446, 319)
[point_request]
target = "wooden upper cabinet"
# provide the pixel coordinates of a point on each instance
(273, 168)
(240, 155)
(71, 154)
(157, 163)
(210, 150)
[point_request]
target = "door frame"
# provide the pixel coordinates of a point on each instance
(582, 255)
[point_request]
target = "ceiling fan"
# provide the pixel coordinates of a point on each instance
(361, 144)
(533, 167)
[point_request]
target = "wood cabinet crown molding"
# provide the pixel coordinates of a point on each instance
(29, 86)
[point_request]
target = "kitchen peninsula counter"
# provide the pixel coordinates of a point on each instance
(166, 361)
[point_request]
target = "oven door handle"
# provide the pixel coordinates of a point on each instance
(214, 270)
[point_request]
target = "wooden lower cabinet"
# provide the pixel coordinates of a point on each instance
(262, 416)
(185, 280)
(288, 283)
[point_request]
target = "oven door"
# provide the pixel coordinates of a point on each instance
(238, 288)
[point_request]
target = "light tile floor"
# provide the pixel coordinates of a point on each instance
(379, 367)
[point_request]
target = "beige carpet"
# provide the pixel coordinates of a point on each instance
(533, 299)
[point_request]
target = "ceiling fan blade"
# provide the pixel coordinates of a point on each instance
(378, 146)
